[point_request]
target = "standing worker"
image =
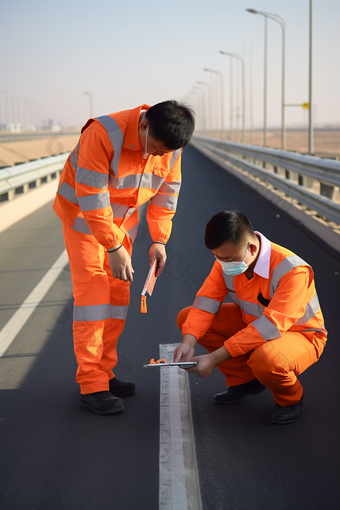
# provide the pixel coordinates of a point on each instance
(271, 333)
(122, 160)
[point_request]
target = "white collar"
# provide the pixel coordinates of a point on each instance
(263, 262)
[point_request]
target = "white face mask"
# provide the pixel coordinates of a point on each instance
(145, 152)
(234, 268)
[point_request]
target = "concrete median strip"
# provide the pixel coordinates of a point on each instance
(21, 316)
(178, 475)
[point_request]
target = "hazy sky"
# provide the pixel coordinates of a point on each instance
(130, 52)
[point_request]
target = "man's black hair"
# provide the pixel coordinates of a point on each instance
(232, 226)
(171, 123)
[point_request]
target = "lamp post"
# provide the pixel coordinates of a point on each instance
(238, 57)
(222, 95)
(310, 113)
(281, 21)
(209, 117)
(90, 102)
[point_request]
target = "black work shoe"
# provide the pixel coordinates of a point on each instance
(237, 393)
(101, 402)
(287, 414)
(121, 388)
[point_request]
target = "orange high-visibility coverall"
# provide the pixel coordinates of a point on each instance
(274, 328)
(104, 181)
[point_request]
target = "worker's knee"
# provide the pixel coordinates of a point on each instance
(183, 314)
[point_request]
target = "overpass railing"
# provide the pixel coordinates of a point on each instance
(313, 182)
(19, 179)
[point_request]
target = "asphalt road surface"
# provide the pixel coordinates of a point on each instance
(57, 456)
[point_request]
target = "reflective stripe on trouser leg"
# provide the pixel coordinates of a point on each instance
(226, 323)
(277, 363)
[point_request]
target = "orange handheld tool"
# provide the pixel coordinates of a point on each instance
(164, 363)
(148, 286)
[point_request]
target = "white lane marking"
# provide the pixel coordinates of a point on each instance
(17, 321)
(178, 474)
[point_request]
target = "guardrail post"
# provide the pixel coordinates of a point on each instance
(309, 182)
(326, 190)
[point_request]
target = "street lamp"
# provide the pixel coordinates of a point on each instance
(281, 21)
(210, 122)
(243, 91)
(310, 113)
(222, 95)
(90, 102)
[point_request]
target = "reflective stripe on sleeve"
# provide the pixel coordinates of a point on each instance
(80, 225)
(93, 202)
(266, 328)
(311, 309)
(166, 201)
(116, 138)
(283, 268)
(66, 191)
(99, 312)
(312, 329)
(73, 159)
(207, 304)
(170, 187)
(91, 178)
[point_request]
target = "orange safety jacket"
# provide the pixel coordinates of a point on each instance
(105, 179)
(280, 297)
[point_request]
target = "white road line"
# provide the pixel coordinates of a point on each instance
(17, 321)
(178, 475)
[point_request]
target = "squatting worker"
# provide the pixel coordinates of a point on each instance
(122, 160)
(271, 332)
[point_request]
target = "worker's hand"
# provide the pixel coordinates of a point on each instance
(157, 251)
(121, 265)
(208, 362)
(182, 352)
(206, 365)
(186, 349)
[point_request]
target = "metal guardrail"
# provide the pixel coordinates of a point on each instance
(21, 178)
(308, 168)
